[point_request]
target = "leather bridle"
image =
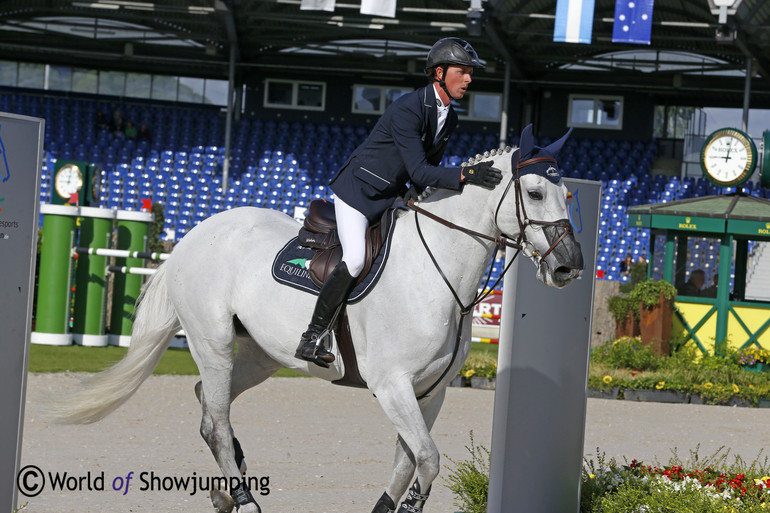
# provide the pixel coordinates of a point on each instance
(520, 244)
(523, 219)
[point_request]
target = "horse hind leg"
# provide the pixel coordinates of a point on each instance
(252, 367)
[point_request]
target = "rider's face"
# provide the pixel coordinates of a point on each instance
(457, 79)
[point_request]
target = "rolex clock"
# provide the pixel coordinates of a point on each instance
(728, 157)
(68, 179)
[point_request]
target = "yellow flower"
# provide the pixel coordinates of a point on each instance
(660, 385)
(469, 373)
(708, 385)
(607, 379)
(735, 388)
(591, 476)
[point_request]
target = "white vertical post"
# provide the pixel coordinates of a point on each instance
(542, 379)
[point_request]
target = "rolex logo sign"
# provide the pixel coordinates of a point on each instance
(688, 224)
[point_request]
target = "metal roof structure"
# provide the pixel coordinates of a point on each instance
(737, 214)
(685, 61)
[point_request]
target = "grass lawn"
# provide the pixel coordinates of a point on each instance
(74, 358)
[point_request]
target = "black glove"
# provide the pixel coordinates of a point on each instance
(412, 193)
(483, 174)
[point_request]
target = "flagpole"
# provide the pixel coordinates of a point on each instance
(504, 113)
(747, 94)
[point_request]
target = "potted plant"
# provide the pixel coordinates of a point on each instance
(656, 312)
(626, 314)
(481, 370)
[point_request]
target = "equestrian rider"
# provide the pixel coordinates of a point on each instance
(406, 145)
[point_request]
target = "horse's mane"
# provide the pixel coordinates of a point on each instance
(491, 154)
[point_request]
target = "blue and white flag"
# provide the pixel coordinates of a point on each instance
(633, 21)
(317, 5)
(574, 21)
(379, 8)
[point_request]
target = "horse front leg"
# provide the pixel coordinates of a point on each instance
(416, 454)
(404, 462)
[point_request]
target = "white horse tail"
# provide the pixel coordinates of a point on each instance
(99, 395)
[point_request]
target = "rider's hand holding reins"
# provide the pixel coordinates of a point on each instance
(482, 174)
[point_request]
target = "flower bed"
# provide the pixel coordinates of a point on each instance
(701, 485)
(708, 487)
(627, 366)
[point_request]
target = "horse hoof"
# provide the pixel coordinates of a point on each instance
(222, 502)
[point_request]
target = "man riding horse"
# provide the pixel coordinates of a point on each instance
(405, 146)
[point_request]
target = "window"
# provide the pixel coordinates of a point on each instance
(604, 112)
(191, 90)
(84, 80)
(164, 87)
(8, 73)
(112, 83)
(59, 78)
(479, 106)
(290, 94)
(31, 75)
(369, 99)
(138, 85)
(216, 92)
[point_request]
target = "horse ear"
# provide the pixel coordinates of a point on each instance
(526, 142)
(555, 147)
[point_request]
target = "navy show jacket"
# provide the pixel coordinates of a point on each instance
(399, 149)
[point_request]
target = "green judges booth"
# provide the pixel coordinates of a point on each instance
(727, 222)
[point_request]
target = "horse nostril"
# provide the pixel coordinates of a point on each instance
(563, 270)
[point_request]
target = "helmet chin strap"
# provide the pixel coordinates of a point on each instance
(442, 83)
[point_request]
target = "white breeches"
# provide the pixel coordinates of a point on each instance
(351, 228)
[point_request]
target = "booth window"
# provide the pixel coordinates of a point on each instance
(603, 112)
(479, 106)
(293, 94)
(371, 99)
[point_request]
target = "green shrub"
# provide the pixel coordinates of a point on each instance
(648, 292)
(627, 353)
(469, 479)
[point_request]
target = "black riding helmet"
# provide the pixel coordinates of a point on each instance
(448, 51)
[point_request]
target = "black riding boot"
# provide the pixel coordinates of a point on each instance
(333, 294)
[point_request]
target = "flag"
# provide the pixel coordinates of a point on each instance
(633, 21)
(379, 8)
(574, 21)
(317, 5)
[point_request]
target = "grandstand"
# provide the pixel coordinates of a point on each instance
(284, 165)
(282, 150)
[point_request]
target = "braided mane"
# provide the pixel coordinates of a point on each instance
(471, 161)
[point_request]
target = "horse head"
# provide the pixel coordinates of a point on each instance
(533, 208)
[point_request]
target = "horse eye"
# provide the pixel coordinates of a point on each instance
(535, 195)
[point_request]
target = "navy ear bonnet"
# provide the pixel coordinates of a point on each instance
(528, 150)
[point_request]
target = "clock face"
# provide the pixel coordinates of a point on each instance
(68, 181)
(728, 157)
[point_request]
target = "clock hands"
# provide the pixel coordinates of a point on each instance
(729, 147)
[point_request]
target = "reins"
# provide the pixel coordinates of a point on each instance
(502, 241)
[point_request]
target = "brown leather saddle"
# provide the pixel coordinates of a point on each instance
(319, 233)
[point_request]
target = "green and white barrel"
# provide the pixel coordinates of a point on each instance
(88, 327)
(133, 228)
(55, 275)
